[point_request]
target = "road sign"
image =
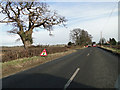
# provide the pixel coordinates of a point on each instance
(44, 53)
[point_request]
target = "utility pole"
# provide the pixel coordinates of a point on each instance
(101, 38)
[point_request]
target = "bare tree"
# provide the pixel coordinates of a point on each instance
(26, 16)
(74, 35)
(80, 37)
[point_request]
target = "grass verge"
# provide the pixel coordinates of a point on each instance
(12, 67)
(114, 50)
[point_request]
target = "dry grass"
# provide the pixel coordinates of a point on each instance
(12, 67)
(112, 49)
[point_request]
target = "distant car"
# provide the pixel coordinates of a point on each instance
(86, 46)
(94, 45)
(89, 45)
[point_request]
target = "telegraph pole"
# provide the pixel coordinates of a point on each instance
(101, 38)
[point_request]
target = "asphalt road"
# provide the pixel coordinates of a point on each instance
(87, 68)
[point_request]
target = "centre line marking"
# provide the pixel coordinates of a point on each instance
(88, 54)
(71, 79)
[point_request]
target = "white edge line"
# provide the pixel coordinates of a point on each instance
(70, 80)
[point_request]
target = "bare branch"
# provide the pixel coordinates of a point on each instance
(18, 39)
(15, 31)
(6, 21)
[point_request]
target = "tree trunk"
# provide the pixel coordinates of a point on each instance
(26, 38)
(27, 44)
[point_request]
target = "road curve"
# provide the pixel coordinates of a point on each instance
(87, 68)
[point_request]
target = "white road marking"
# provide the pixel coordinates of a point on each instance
(88, 54)
(70, 80)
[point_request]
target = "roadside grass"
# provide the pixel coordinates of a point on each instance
(12, 67)
(112, 49)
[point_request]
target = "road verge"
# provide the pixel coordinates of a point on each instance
(111, 50)
(12, 67)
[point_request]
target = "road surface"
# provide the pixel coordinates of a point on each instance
(87, 68)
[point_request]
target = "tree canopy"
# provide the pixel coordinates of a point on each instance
(112, 41)
(80, 37)
(25, 16)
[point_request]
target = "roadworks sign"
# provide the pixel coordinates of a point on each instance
(44, 53)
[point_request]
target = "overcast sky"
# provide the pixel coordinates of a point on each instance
(94, 17)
